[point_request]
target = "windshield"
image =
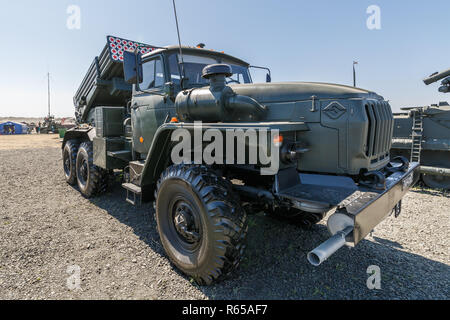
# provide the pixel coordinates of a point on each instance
(194, 64)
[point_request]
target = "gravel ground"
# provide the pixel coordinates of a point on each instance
(47, 226)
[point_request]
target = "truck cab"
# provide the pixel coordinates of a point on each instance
(153, 99)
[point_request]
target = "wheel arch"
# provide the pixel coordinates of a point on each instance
(80, 134)
(158, 157)
(156, 160)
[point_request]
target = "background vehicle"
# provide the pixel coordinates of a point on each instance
(333, 141)
(422, 134)
(50, 125)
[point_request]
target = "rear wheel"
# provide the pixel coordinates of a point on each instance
(92, 180)
(69, 161)
(200, 222)
(297, 217)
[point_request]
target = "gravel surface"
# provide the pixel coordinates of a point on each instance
(46, 226)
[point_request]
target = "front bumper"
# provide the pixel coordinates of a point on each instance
(360, 212)
(359, 208)
(362, 206)
(367, 208)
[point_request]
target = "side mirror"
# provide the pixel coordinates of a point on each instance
(132, 67)
(268, 76)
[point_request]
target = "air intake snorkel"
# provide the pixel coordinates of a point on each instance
(218, 102)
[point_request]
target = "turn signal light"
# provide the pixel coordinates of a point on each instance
(278, 140)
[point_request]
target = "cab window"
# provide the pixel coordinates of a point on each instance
(153, 74)
(194, 64)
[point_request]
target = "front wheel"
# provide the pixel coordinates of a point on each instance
(200, 222)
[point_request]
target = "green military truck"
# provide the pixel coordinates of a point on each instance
(328, 147)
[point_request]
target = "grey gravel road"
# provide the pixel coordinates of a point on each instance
(46, 226)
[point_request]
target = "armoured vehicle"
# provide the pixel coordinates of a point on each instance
(328, 147)
(422, 134)
(49, 125)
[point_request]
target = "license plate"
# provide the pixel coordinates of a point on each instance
(407, 182)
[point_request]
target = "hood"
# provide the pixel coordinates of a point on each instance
(298, 91)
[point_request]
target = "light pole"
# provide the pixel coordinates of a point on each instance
(354, 73)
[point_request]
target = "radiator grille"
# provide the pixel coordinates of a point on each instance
(379, 134)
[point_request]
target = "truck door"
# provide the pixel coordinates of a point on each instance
(150, 106)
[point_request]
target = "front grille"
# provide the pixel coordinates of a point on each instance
(379, 134)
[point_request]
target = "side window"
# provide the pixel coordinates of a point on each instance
(174, 69)
(153, 74)
(159, 73)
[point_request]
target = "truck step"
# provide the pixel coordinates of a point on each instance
(134, 192)
(136, 168)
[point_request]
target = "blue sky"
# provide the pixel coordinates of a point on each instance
(298, 40)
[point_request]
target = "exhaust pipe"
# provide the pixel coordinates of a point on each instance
(327, 248)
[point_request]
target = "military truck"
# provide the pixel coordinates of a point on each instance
(422, 134)
(332, 143)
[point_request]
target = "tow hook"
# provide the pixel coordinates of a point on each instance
(403, 166)
(397, 209)
(375, 179)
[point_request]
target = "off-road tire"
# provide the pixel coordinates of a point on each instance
(297, 217)
(91, 179)
(217, 219)
(69, 154)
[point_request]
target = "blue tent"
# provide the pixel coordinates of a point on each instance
(10, 127)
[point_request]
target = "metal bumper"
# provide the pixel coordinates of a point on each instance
(359, 207)
(367, 208)
(360, 212)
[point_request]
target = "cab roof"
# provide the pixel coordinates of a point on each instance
(196, 50)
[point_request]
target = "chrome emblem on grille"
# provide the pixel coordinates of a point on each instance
(334, 110)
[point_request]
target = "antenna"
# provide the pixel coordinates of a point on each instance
(179, 42)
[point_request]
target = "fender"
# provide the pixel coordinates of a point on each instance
(159, 153)
(79, 133)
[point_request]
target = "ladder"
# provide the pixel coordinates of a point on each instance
(416, 135)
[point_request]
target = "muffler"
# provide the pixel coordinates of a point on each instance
(327, 248)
